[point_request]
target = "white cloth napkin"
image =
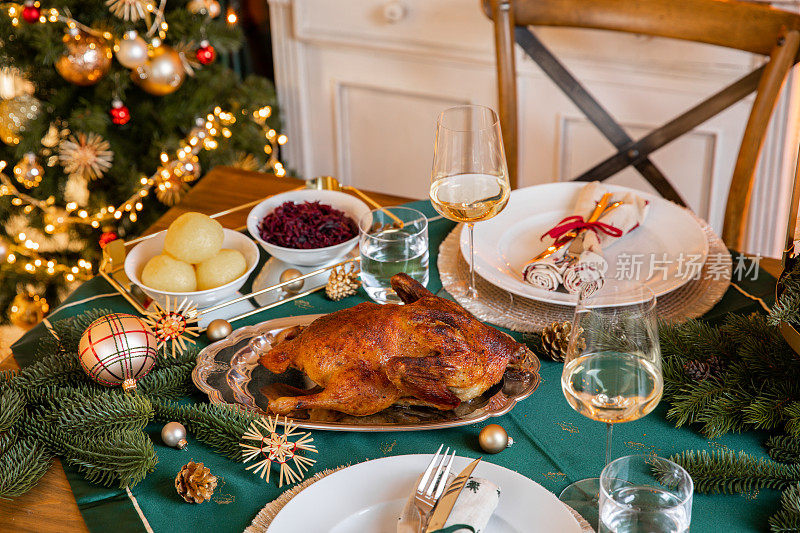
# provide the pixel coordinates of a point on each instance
(590, 268)
(581, 264)
(548, 274)
(474, 507)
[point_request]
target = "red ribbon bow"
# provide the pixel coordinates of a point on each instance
(576, 224)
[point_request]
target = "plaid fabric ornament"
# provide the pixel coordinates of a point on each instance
(118, 349)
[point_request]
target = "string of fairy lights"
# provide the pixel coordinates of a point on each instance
(168, 182)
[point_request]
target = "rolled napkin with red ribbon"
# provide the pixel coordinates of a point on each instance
(587, 271)
(546, 271)
(579, 240)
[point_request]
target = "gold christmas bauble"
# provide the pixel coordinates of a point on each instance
(162, 74)
(218, 329)
(131, 50)
(28, 171)
(15, 114)
(494, 439)
(86, 60)
(27, 309)
(288, 275)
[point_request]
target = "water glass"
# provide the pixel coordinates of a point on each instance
(392, 240)
(645, 494)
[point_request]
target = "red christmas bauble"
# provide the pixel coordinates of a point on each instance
(107, 237)
(206, 53)
(31, 13)
(120, 114)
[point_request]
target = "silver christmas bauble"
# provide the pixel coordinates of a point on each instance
(290, 274)
(494, 439)
(218, 329)
(131, 50)
(174, 434)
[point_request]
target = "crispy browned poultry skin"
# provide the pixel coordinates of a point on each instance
(430, 351)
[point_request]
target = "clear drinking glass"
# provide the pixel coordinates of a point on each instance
(392, 240)
(612, 369)
(469, 180)
(645, 494)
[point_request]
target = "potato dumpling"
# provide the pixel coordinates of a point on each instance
(165, 273)
(193, 238)
(223, 268)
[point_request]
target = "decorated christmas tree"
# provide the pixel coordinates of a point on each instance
(109, 109)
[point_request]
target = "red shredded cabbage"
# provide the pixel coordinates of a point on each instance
(307, 225)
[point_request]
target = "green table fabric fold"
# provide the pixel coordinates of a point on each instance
(554, 445)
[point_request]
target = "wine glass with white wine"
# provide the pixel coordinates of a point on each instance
(469, 180)
(612, 369)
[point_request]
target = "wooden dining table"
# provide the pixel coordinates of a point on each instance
(51, 506)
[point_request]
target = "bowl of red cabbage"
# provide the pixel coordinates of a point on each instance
(307, 227)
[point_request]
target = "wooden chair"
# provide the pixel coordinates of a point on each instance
(754, 28)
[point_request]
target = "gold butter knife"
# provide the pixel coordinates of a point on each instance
(445, 504)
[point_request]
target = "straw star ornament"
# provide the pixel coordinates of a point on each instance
(87, 156)
(175, 323)
(273, 447)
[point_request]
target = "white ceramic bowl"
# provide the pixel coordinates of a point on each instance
(351, 205)
(138, 257)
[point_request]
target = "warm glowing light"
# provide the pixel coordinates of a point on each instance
(231, 16)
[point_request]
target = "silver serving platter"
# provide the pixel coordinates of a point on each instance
(229, 372)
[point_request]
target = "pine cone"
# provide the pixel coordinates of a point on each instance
(195, 483)
(342, 283)
(555, 340)
(716, 365)
(697, 370)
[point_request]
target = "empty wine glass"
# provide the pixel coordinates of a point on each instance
(469, 180)
(612, 368)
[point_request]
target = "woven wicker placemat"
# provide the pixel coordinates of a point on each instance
(692, 300)
(265, 516)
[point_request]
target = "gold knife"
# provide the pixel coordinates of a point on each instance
(445, 505)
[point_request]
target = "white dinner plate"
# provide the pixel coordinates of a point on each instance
(506, 242)
(370, 496)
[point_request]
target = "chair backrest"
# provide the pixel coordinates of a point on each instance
(750, 27)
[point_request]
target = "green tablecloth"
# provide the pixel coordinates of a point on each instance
(554, 445)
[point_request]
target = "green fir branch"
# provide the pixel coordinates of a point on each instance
(23, 462)
(788, 516)
(12, 405)
(786, 309)
(120, 458)
(729, 472)
(168, 383)
(98, 414)
(217, 426)
(784, 448)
